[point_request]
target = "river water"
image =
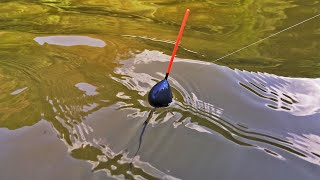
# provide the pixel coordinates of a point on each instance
(75, 77)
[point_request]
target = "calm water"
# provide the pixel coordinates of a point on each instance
(75, 76)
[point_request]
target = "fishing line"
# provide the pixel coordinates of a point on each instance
(266, 38)
(160, 94)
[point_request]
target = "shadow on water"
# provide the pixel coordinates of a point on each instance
(145, 124)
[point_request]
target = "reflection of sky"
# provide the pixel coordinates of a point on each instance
(129, 76)
(89, 89)
(90, 136)
(306, 91)
(310, 143)
(70, 41)
(303, 94)
(18, 91)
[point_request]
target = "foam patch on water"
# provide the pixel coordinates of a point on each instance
(70, 41)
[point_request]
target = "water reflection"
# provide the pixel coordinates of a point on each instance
(205, 117)
(18, 91)
(89, 89)
(101, 123)
(220, 119)
(298, 96)
(310, 143)
(70, 41)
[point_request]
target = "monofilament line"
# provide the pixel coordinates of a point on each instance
(266, 37)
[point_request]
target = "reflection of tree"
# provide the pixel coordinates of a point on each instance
(52, 96)
(111, 164)
(215, 29)
(51, 72)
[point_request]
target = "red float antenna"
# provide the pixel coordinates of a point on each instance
(174, 52)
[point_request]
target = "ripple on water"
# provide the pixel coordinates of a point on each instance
(220, 111)
(200, 109)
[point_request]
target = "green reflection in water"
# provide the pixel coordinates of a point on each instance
(214, 29)
(112, 164)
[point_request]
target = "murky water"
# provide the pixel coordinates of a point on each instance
(75, 76)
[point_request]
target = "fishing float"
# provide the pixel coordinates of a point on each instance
(160, 94)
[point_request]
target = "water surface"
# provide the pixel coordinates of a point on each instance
(75, 76)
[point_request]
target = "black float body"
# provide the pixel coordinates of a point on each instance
(160, 95)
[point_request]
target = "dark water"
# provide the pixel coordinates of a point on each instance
(75, 76)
